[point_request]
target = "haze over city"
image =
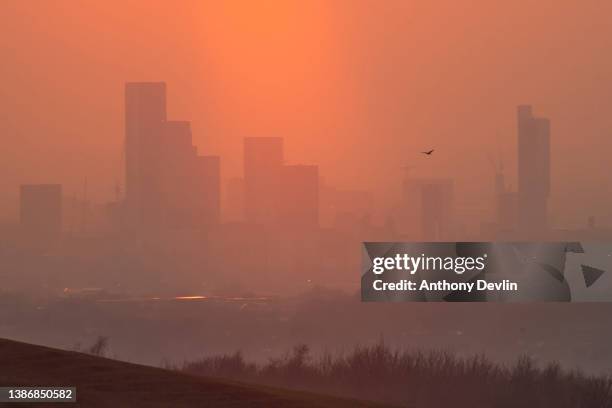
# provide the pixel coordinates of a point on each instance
(356, 89)
(200, 185)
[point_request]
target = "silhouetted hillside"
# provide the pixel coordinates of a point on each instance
(102, 382)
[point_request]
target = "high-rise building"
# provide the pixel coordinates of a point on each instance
(177, 177)
(176, 141)
(533, 170)
(190, 184)
(145, 115)
(40, 211)
(263, 161)
(298, 203)
(167, 183)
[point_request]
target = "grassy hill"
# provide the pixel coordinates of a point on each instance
(102, 382)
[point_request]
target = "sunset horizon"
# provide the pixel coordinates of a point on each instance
(292, 204)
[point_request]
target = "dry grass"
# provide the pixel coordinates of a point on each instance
(418, 379)
(103, 382)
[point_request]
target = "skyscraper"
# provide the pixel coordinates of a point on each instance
(263, 161)
(177, 175)
(533, 170)
(145, 115)
(167, 183)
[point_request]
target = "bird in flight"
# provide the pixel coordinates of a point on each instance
(429, 152)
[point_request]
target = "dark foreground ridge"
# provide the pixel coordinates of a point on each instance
(102, 382)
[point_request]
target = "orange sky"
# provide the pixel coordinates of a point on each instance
(358, 87)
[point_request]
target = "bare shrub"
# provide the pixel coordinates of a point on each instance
(418, 378)
(99, 347)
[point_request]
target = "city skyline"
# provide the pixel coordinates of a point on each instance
(354, 89)
(121, 184)
(238, 203)
(169, 184)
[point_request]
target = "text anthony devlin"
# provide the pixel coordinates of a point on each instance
(445, 286)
